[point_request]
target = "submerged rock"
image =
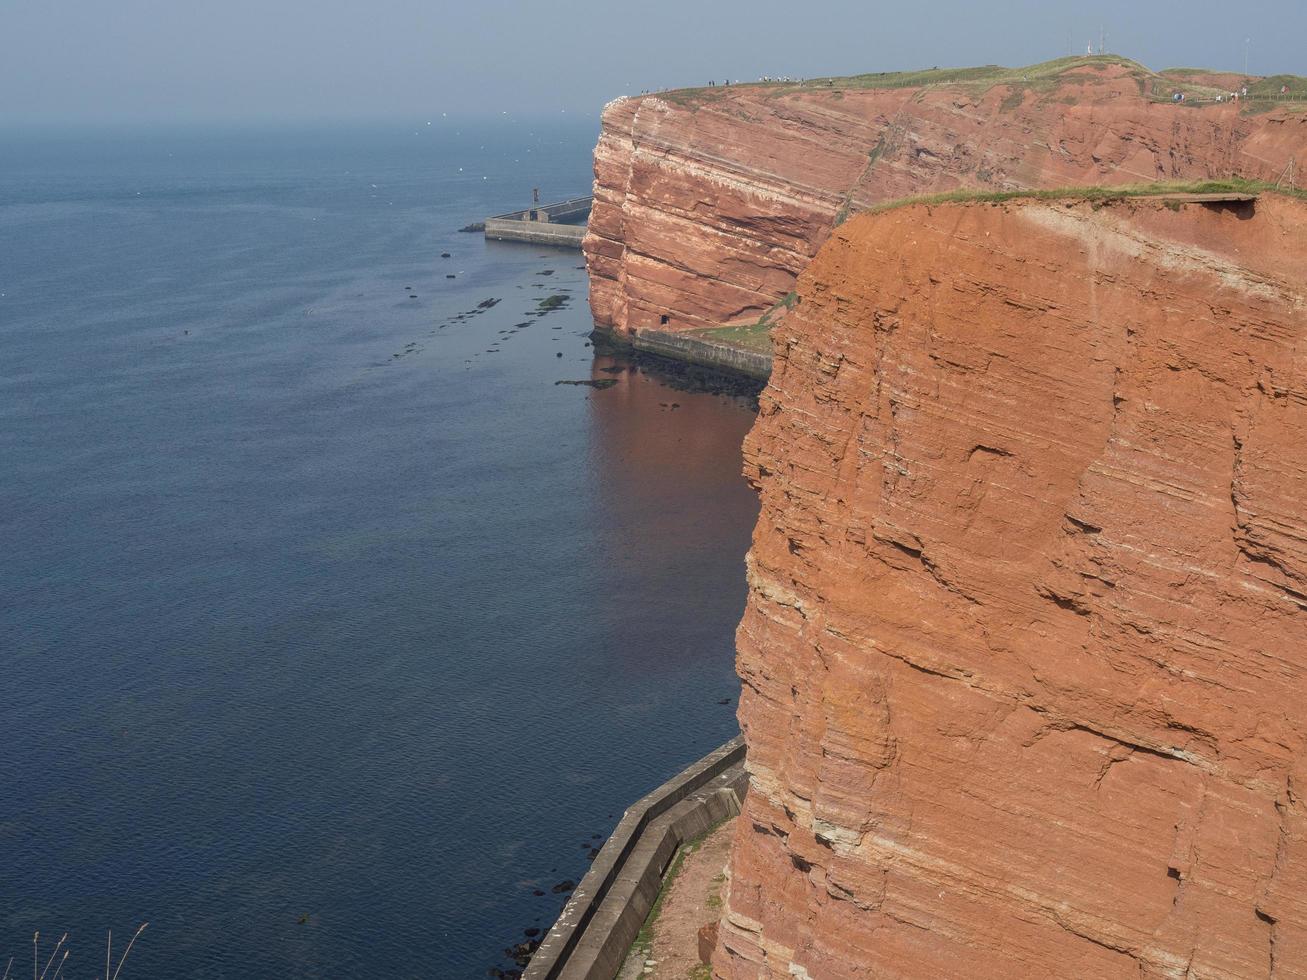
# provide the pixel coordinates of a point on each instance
(552, 302)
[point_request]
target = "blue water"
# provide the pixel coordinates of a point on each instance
(331, 627)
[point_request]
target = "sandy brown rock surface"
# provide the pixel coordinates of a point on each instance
(1024, 652)
(692, 900)
(708, 203)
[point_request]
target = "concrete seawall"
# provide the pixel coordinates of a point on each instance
(535, 232)
(708, 353)
(601, 920)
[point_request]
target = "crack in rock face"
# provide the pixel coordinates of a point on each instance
(1025, 648)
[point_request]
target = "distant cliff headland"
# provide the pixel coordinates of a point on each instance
(710, 201)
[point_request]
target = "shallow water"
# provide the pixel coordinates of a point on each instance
(332, 627)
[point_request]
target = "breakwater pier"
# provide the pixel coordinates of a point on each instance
(562, 224)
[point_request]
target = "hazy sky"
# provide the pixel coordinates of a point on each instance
(111, 60)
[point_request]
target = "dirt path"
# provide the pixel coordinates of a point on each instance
(668, 947)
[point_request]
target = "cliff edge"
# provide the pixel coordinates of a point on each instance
(1023, 658)
(709, 202)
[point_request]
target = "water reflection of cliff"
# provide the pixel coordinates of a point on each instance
(675, 516)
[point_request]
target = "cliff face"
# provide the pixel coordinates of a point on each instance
(1024, 653)
(708, 204)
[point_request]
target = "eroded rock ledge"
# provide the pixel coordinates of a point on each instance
(1023, 658)
(709, 203)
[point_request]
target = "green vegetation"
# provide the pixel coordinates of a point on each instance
(1189, 72)
(751, 336)
(1193, 82)
(1199, 86)
(984, 76)
(1104, 194)
(1012, 100)
(1269, 88)
(879, 149)
(644, 940)
(552, 302)
(1196, 83)
(714, 900)
(757, 336)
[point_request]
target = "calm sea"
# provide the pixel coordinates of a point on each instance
(332, 628)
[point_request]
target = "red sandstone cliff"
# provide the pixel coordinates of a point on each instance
(709, 203)
(1024, 652)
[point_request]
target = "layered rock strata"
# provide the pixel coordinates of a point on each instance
(709, 203)
(1023, 658)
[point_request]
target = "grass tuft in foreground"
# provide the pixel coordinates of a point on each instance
(57, 962)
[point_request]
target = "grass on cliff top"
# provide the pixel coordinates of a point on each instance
(1041, 77)
(970, 196)
(988, 75)
(1263, 93)
(982, 76)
